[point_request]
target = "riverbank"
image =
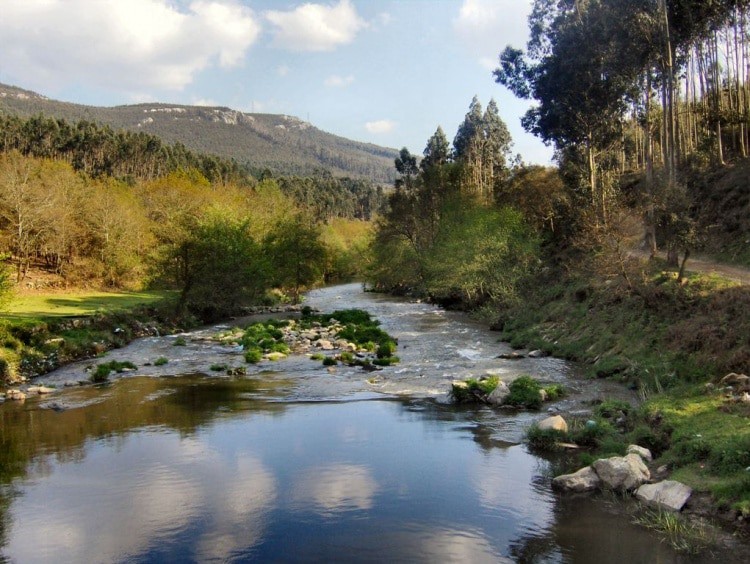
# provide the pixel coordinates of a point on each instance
(674, 344)
(34, 345)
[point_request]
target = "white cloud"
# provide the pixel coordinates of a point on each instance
(316, 27)
(129, 46)
(283, 70)
(380, 126)
(208, 102)
(485, 27)
(336, 81)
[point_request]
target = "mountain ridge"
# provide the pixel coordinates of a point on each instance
(281, 143)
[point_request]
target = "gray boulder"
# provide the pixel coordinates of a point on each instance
(585, 480)
(668, 494)
(643, 452)
(498, 395)
(622, 473)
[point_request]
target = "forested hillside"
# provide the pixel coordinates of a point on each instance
(283, 144)
(647, 104)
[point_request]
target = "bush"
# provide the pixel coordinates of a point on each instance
(525, 392)
(253, 356)
(545, 439)
(329, 361)
(218, 367)
(103, 371)
(474, 388)
(161, 361)
(179, 342)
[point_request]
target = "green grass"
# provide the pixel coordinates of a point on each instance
(41, 307)
(666, 340)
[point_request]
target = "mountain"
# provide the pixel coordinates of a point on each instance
(281, 143)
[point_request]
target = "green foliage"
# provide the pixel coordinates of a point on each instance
(296, 253)
(329, 361)
(386, 361)
(6, 282)
(683, 534)
(545, 439)
(219, 267)
(470, 389)
(317, 356)
(253, 356)
(179, 342)
(525, 391)
(219, 367)
(161, 361)
(102, 371)
(346, 357)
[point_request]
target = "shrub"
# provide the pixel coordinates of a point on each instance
(346, 357)
(161, 361)
(525, 392)
(329, 361)
(101, 374)
(253, 356)
(218, 367)
(388, 361)
(179, 342)
(473, 389)
(386, 349)
(545, 439)
(317, 356)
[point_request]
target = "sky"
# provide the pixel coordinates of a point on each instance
(387, 72)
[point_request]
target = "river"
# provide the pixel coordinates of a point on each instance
(293, 463)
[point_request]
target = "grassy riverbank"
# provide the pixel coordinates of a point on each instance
(43, 331)
(673, 343)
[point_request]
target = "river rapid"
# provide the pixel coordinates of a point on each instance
(293, 462)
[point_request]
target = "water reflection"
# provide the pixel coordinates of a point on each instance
(334, 489)
(347, 481)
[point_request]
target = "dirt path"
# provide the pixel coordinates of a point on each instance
(707, 265)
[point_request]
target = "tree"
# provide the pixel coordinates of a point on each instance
(437, 151)
(296, 254)
(219, 268)
(6, 282)
(406, 166)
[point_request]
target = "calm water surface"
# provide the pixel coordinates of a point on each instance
(296, 464)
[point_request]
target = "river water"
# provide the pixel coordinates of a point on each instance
(292, 463)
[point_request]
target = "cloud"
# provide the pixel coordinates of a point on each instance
(129, 46)
(282, 70)
(380, 126)
(485, 27)
(336, 81)
(315, 27)
(208, 102)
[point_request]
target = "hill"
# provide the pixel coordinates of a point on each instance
(281, 143)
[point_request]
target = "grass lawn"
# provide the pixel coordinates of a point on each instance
(77, 303)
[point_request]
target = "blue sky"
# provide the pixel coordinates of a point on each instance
(383, 71)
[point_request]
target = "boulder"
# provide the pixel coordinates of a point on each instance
(585, 480)
(14, 394)
(643, 452)
(536, 354)
(498, 395)
(739, 382)
(555, 423)
(668, 494)
(324, 344)
(622, 473)
(511, 356)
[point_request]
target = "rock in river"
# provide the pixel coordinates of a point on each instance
(622, 473)
(668, 494)
(584, 480)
